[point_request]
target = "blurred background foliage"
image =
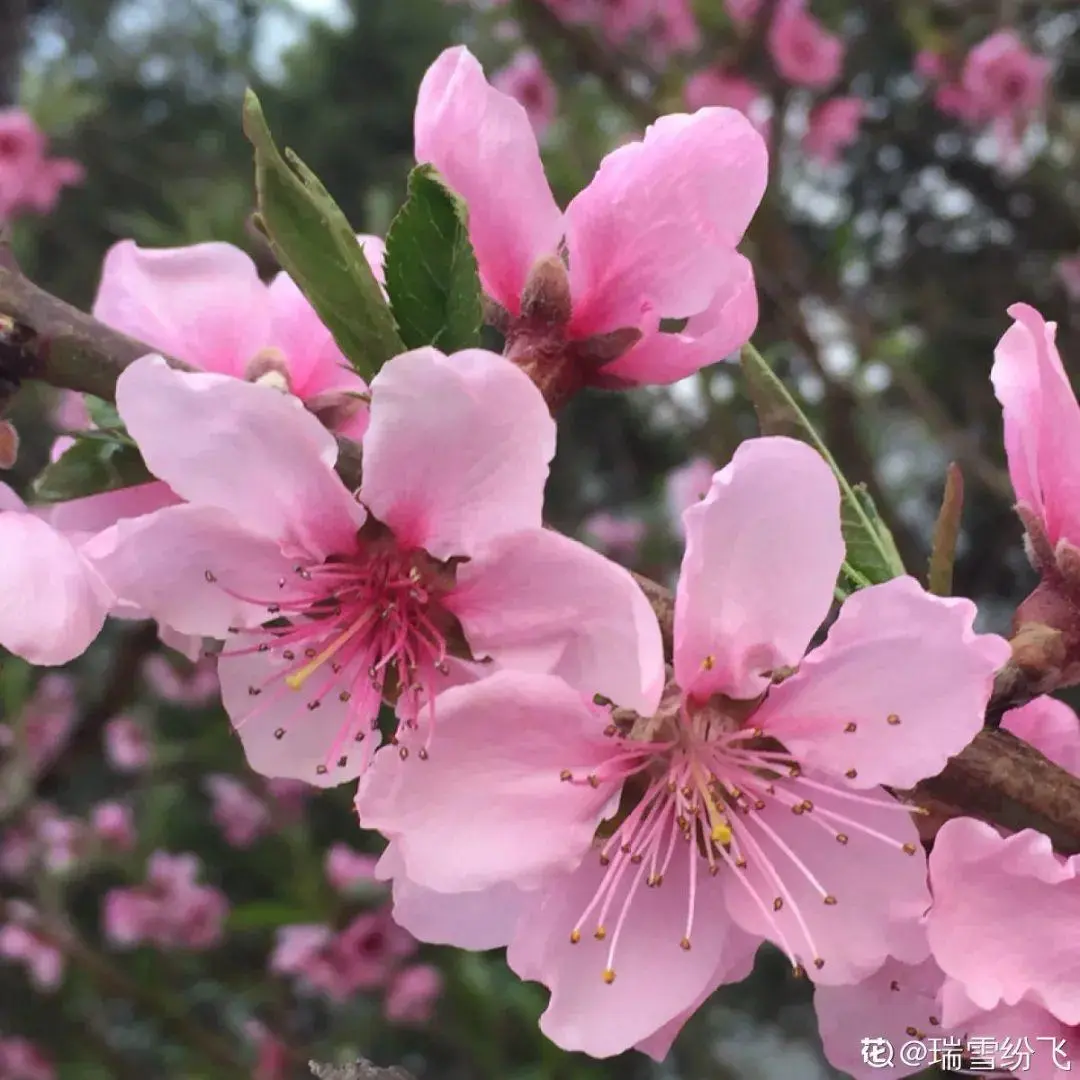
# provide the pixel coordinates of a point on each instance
(884, 284)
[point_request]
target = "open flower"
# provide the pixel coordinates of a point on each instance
(206, 306)
(804, 52)
(749, 808)
(337, 602)
(652, 237)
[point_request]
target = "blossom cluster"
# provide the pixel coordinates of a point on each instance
(631, 825)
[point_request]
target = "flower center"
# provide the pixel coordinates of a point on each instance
(702, 777)
(356, 630)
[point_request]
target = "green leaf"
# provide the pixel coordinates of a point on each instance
(96, 463)
(431, 273)
(317, 246)
(103, 413)
(266, 915)
(871, 551)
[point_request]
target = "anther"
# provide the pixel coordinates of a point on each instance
(594, 781)
(273, 609)
(566, 775)
(344, 696)
(611, 730)
(799, 971)
(254, 691)
(609, 976)
(909, 849)
(912, 1031)
(841, 838)
(600, 933)
(359, 736)
(685, 944)
(850, 728)
(935, 1021)
(740, 863)
(778, 903)
(320, 770)
(794, 772)
(605, 860)
(708, 663)
(422, 754)
(311, 653)
(894, 985)
(288, 654)
(892, 719)
(403, 753)
(830, 901)
(279, 733)
(851, 774)
(313, 705)
(819, 963)
(261, 647)
(342, 761)
(575, 936)
(210, 578)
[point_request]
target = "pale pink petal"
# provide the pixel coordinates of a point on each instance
(202, 304)
(879, 888)
(981, 882)
(644, 236)
(885, 1005)
(89, 515)
(185, 566)
(9, 500)
(54, 602)
(477, 137)
(539, 601)
(900, 685)
(762, 553)
(656, 980)
(686, 486)
(457, 450)
(485, 919)
(1024, 1038)
(248, 449)
(707, 338)
(261, 705)
(1052, 727)
(499, 750)
(1042, 423)
(658, 1045)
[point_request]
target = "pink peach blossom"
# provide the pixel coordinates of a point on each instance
(775, 779)
(411, 996)
(171, 910)
(1004, 77)
(917, 1002)
(833, 126)
(527, 82)
(20, 1059)
(652, 237)
(980, 880)
(346, 869)
(240, 814)
(443, 537)
(114, 824)
(29, 179)
(1042, 425)
(804, 52)
(686, 486)
(19, 942)
(615, 535)
(713, 87)
(191, 684)
(127, 745)
(360, 957)
(1051, 727)
(45, 722)
(55, 601)
(205, 305)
